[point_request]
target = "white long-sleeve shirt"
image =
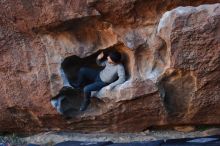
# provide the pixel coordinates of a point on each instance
(111, 72)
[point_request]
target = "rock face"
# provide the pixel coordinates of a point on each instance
(171, 54)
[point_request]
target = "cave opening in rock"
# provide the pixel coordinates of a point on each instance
(71, 66)
(85, 38)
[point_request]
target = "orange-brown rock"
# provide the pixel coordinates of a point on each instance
(192, 38)
(171, 54)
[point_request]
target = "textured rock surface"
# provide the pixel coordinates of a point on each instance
(194, 48)
(172, 56)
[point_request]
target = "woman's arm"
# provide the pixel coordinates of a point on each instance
(98, 59)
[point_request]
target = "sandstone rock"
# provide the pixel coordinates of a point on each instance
(184, 128)
(211, 131)
(172, 63)
(194, 50)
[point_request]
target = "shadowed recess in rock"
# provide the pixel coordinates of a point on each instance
(71, 65)
(177, 88)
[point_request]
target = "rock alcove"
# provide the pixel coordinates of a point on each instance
(71, 65)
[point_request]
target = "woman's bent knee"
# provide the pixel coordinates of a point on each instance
(86, 89)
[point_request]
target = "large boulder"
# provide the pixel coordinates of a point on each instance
(171, 55)
(192, 83)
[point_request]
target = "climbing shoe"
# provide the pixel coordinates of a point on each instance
(84, 105)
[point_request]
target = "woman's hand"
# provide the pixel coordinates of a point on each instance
(101, 55)
(108, 88)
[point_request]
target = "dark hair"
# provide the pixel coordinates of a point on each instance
(115, 56)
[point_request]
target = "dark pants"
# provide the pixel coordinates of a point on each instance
(86, 74)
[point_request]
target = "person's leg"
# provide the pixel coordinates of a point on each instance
(84, 74)
(87, 93)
